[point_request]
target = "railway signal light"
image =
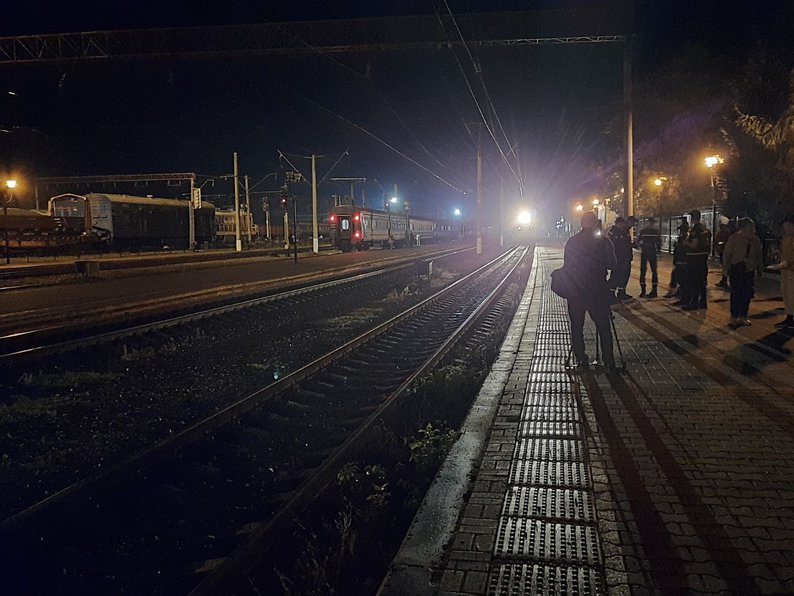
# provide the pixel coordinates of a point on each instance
(284, 201)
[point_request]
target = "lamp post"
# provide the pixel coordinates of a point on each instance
(10, 185)
(712, 161)
(392, 201)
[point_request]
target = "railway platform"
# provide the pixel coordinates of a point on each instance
(675, 476)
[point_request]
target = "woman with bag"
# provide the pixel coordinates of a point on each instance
(740, 261)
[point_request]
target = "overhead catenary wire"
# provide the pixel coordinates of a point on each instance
(474, 97)
(386, 144)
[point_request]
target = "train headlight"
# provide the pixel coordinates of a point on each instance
(524, 218)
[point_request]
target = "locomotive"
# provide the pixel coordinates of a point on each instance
(360, 228)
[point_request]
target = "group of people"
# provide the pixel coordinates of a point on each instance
(600, 265)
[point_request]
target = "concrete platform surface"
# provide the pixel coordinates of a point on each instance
(675, 477)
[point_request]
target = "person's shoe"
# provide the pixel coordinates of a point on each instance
(653, 294)
(734, 322)
(744, 322)
(678, 303)
(642, 293)
(787, 322)
(623, 297)
(691, 307)
(671, 294)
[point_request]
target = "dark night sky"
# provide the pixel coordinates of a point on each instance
(190, 115)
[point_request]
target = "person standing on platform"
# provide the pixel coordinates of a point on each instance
(698, 245)
(620, 236)
(786, 267)
(587, 257)
(723, 233)
(650, 243)
(741, 259)
(677, 277)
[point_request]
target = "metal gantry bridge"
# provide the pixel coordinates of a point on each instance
(366, 35)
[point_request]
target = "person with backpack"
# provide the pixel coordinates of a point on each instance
(587, 257)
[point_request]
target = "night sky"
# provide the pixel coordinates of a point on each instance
(561, 104)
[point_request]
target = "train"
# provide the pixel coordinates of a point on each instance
(129, 222)
(361, 228)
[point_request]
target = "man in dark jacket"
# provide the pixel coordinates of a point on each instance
(588, 255)
(698, 245)
(649, 242)
(620, 235)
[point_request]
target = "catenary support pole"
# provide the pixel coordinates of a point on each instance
(249, 221)
(191, 214)
(628, 112)
(238, 241)
(479, 192)
(315, 231)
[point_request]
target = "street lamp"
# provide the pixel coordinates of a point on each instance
(457, 212)
(10, 185)
(579, 208)
(712, 161)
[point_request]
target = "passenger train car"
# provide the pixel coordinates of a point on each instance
(125, 221)
(360, 228)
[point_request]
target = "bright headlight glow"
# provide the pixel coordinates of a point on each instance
(524, 218)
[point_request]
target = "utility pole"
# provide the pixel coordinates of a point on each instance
(502, 214)
(238, 242)
(479, 191)
(267, 220)
(628, 108)
(191, 215)
(315, 231)
(249, 221)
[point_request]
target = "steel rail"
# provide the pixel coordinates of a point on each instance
(181, 319)
(247, 554)
(134, 464)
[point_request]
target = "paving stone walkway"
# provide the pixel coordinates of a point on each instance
(674, 477)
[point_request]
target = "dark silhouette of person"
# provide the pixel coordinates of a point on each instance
(588, 256)
(620, 236)
(742, 259)
(649, 242)
(698, 245)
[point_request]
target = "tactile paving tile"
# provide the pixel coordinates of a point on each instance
(558, 382)
(573, 474)
(548, 449)
(558, 413)
(522, 580)
(543, 428)
(547, 541)
(537, 399)
(535, 501)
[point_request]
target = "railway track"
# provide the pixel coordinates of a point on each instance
(43, 333)
(160, 521)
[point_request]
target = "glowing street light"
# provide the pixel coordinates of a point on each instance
(524, 218)
(10, 185)
(394, 200)
(457, 212)
(658, 182)
(713, 160)
(579, 208)
(596, 202)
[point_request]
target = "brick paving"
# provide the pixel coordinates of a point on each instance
(675, 477)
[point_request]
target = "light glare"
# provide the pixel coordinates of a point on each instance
(524, 218)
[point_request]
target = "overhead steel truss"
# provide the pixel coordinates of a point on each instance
(588, 25)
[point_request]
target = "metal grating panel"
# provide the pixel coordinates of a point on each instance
(547, 541)
(550, 473)
(522, 580)
(534, 501)
(548, 449)
(560, 380)
(543, 428)
(551, 413)
(549, 400)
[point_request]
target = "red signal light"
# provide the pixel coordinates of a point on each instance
(332, 218)
(357, 217)
(357, 235)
